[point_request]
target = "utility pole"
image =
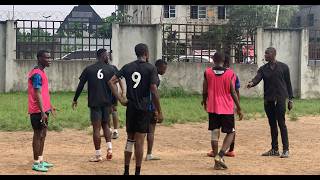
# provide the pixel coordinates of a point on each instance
(12, 12)
(277, 17)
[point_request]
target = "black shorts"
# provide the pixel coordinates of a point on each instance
(226, 121)
(100, 113)
(35, 121)
(137, 120)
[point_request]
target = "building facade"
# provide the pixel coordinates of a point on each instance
(176, 14)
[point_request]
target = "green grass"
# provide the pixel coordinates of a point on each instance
(178, 107)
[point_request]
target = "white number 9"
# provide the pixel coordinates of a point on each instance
(136, 77)
(99, 74)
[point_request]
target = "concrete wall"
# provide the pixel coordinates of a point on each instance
(62, 75)
(287, 43)
(310, 75)
(2, 56)
(126, 36)
(190, 76)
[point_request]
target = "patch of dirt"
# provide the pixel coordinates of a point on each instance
(182, 148)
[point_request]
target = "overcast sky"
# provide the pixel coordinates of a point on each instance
(102, 10)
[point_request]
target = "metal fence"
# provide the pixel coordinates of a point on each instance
(198, 43)
(314, 48)
(64, 40)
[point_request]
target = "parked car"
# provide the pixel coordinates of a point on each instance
(190, 58)
(80, 54)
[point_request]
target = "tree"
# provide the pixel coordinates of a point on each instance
(105, 30)
(36, 35)
(261, 15)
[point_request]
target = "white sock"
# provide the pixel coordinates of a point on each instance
(98, 152)
(40, 158)
(36, 161)
(109, 146)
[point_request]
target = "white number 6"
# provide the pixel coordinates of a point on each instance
(99, 74)
(136, 77)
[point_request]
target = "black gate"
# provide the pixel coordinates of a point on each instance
(197, 43)
(64, 40)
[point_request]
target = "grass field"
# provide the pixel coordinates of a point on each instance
(178, 107)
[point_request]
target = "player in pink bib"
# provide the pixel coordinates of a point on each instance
(219, 97)
(39, 107)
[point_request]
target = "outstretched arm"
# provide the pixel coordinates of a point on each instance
(256, 79)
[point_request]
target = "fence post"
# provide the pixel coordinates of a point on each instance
(115, 45)
(303, 68)
(158, 41)
(10, 55)
(2, 56)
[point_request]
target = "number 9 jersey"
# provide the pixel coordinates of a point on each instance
(139, 76)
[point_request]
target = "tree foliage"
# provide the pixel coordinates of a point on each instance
(35, 35)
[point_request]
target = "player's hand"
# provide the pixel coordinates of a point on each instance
(160, 118)
(290, 105)
(74, 104)
(240, 114)
(123, 101)
(204, 104)
(53, 111)
(250, 84)
(44, 119)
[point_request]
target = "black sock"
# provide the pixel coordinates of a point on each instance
(138, 170)
(221, 153)
(126, 169)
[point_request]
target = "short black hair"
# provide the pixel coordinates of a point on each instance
(41, 52)
(141, 49)
(100, 52)
(160, 62)
(272, 49)
(217, 57)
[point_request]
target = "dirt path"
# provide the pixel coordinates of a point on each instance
(182, 147)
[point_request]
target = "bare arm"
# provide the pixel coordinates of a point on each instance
(238, 94)
(236, 100)
(122, 87)
(112, 83)
(44, 116)
(156, 100)
(204, 92)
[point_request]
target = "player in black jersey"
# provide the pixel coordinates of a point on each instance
(114, 111)
(141, 79)
(99, 100)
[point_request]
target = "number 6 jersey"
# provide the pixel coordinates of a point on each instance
(97, 75)
(139, 76)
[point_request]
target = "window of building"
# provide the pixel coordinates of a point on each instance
(298, 21)
(221, 12)
(194, 12)
(169, 11)
(202, 12)
(310, 19)
(197, 12)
